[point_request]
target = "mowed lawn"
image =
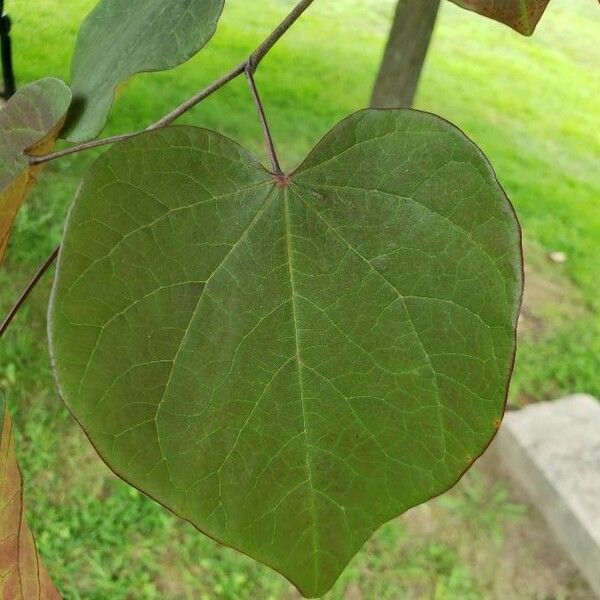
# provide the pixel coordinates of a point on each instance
(530, 103)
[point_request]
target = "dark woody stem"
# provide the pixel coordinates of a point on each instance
(25, 294)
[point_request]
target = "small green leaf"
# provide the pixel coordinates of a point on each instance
(521, 15)
(29, 124)
(120, 38)
(290, 362)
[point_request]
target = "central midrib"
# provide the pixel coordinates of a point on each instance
(309, 468)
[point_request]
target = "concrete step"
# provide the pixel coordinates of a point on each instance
(552, 449)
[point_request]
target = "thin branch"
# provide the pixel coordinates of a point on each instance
(163, 122)
(249, 65)
(263, 121)
(197, 98)
(37, 160)
(256, 57)
(19, 303)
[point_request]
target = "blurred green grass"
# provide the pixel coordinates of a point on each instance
(530, 103)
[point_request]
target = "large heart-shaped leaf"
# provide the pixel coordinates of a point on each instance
(22, 575)
(120, 38)
(289, 362)
(521, 15)
(29, 124)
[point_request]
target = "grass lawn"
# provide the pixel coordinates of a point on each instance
(530, 103)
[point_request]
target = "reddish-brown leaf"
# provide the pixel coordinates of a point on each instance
(521, 15)
(29, 125)
(22, 574)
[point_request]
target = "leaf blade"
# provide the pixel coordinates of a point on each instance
(29, 125)
(274, 382)
(522, 15)
(120, 38)
(22, 575)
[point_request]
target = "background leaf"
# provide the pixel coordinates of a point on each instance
(22, 575)
(521, 15)
(289, 364)
(122, 37)
(29, 125)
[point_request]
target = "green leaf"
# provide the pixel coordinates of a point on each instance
(24, 577)
(521, 15)
(29, 125)
(120, 38)
(289, 362)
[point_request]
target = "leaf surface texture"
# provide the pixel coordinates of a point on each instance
(288, 365)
